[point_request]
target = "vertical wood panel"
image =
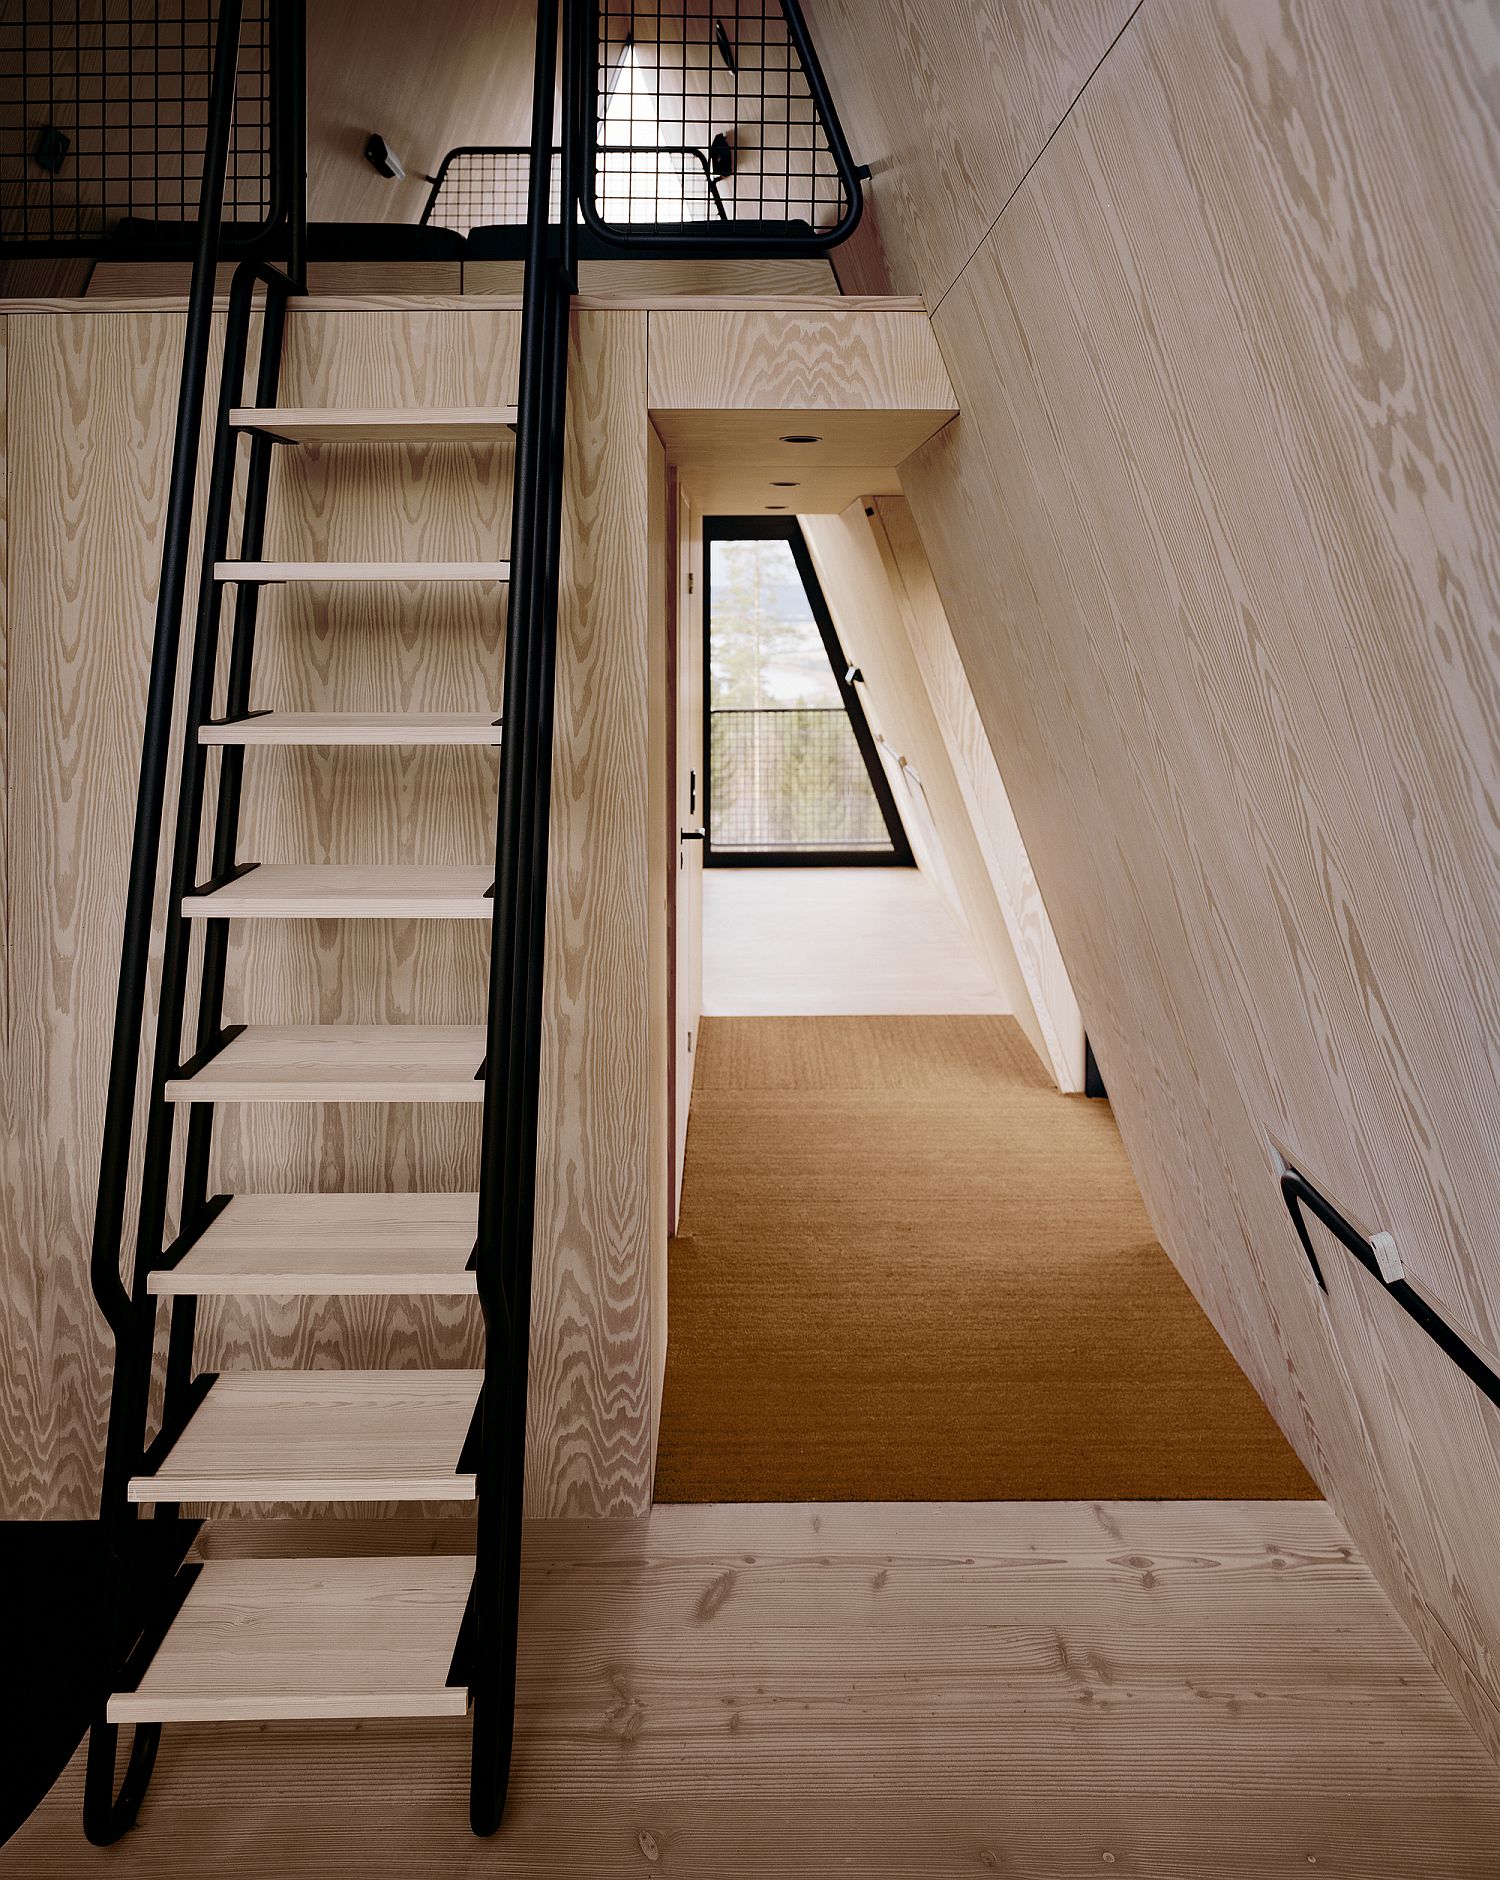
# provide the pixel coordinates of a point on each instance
(873, 635)
(994, 823)
(949, 102)
(89, 415)
(90, 410)
(601, 1187)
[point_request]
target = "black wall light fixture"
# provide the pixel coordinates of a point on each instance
(50, 148)
(382, 159)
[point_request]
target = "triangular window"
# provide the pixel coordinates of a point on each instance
(793, 773)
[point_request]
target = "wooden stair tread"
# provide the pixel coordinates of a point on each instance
(271, 573)
(296, 424)
(330, 1244)
(340, 1064)
(322, 1436)
(287, 891)
(356, 728)
(278, 1639)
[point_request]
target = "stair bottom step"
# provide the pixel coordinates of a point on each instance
(269, 1640)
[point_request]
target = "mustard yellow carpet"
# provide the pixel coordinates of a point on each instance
(908, 1269)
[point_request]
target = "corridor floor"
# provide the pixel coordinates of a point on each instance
(908, 1269)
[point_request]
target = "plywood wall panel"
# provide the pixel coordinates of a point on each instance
(872, 632)
(704, 361)
(949, 102)
(451, 72)
(601, 1194)
(1215, 532)
(89, 410)
(91, 398)
(1006, 862)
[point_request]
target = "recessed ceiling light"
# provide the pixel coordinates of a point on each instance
(796, 437)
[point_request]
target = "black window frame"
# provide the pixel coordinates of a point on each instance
(787, 529)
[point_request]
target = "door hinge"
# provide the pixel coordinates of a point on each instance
(690, 580)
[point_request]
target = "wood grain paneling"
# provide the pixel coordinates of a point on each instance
(91, 399)
(783, 361)
(601, 1179)
(1438, 1497)
(450, 72)
(1009, 867)
(1041, 1691)
(727, 386)
(624, 274)
(1215, 537)
(88, 431)
(949, 102)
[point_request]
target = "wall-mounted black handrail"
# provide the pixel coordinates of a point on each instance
(1299, 1193)
(462, 151)
(761, 238)
(131, 1311)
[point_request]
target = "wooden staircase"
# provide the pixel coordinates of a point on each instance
(290, 1638)
(276, 1638)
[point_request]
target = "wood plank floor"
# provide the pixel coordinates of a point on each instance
(1169, 1690)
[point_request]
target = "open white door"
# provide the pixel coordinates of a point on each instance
(687, 923)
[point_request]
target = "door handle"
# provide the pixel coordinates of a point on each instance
(693, 835)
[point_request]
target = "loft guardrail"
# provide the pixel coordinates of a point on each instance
(486, 185)
(1299, 1193)
(741, 82)
(107, 126)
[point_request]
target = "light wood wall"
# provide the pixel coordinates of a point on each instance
(873, 635)
(881, 587)
(1216, 536)
(90, 397)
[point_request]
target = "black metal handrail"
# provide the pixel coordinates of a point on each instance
(131, 1311)
(503, 1251)
(508, 1131)
(1299, 1193)
(522, 153)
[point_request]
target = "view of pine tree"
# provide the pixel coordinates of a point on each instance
(785, 771)
(766, 650)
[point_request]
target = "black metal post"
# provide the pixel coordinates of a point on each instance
(107, 1816)
(509, 1128)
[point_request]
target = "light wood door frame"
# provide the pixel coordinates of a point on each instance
(685, 766)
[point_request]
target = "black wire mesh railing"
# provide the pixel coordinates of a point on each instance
(727, 80)
(790, 779)
(484, 186)
(104, 110)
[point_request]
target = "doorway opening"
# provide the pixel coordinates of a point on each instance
(911, 1261)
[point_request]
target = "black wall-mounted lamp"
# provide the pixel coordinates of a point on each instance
(382, 159)
(51, 146)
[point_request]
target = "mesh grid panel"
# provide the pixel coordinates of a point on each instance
(485, 189)
(688, 75)
(127, 83)
(790, 778)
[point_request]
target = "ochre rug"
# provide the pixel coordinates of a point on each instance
(909, 1270)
